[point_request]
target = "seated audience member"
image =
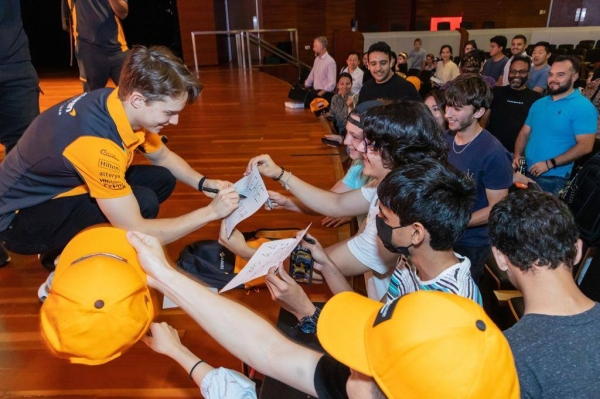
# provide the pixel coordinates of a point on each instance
(538, 75)
(469, 46)
(407, 226)
(401, 65)
(592, 92)
(426, 261)
(471, 64)
(518, 46)
(446, 70)
(341, 103)
(476, 151)
(494, 66)
(220, 383)
(430, 63)
(556, 344)
(436, 102)
(72, 167)
(416, 58)
(394, 136)
(322, 75)
(364, 66)
(511, 104)
(385, 83)
(560, 128)
(354, 71)
(372, 350)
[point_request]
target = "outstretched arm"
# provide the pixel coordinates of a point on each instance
(351, 203)
(245, 334)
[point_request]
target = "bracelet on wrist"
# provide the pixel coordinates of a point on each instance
(280, 175)
(194, 366)
(286, 184)
(308, 324)
(547, 165)
(201, 183)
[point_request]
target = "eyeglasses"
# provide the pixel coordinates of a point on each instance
(521, 72)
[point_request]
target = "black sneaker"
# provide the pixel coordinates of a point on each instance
(48, 259)
(4, 257)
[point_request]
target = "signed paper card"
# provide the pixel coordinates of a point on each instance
(269, 254)
(253, 187)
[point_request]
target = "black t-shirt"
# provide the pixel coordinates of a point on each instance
(330, 378)
(509, 111)
(396, 88)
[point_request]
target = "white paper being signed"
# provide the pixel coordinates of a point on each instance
(269, 254)
(253, 187)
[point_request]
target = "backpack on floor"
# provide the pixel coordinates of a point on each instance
(582, 195)
(216, 265)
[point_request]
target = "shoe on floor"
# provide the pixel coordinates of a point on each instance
(44, 289)
(50, 259)
(4, 257)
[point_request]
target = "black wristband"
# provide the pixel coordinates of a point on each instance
(553, 161)
(201, 183)
(280, 175)
(193, 367)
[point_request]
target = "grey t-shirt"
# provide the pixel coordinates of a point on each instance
(558, 356)
(416, 58)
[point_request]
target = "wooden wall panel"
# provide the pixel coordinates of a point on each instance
(197, 15)
(506, 13)
(381, 14)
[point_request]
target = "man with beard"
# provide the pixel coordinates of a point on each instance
(385, 83)
(559, 129)
(322, 76)
(511, 104)
(477, 152)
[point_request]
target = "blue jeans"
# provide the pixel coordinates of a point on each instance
(551, 184)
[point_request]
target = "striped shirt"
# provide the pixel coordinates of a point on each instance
(456, 280)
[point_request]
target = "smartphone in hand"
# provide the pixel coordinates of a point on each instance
(301, 265)
(330, 142)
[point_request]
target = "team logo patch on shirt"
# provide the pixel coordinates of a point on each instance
(109, 165)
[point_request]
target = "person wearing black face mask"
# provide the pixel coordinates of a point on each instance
(385, 232)
(424, 208)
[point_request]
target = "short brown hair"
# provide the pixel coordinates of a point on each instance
(469, 90)
(157, 73)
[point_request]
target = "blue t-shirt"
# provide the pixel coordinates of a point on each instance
(554, 125)
(538, 78)
(490, 165)
(354, 177)
(493, 68)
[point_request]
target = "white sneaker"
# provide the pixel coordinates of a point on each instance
(44, 289)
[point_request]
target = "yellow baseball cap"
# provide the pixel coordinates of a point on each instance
(99, 304)
(415, 81)
(424, 345)
(319, 105)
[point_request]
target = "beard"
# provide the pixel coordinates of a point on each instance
(517, 82)
(560, 89)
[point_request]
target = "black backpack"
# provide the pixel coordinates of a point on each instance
(215, 265)
(582, 196)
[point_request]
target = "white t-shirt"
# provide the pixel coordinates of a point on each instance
(369, 249)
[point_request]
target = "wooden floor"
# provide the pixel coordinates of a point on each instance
(239, 115)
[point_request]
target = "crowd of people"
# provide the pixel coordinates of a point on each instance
(430, 182)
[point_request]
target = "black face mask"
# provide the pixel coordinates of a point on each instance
(384, 232)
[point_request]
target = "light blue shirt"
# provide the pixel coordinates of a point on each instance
(538, 78)
(554, 126)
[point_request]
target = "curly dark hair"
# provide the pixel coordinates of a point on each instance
(534, 228)
(429, 193)
(404, 132)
